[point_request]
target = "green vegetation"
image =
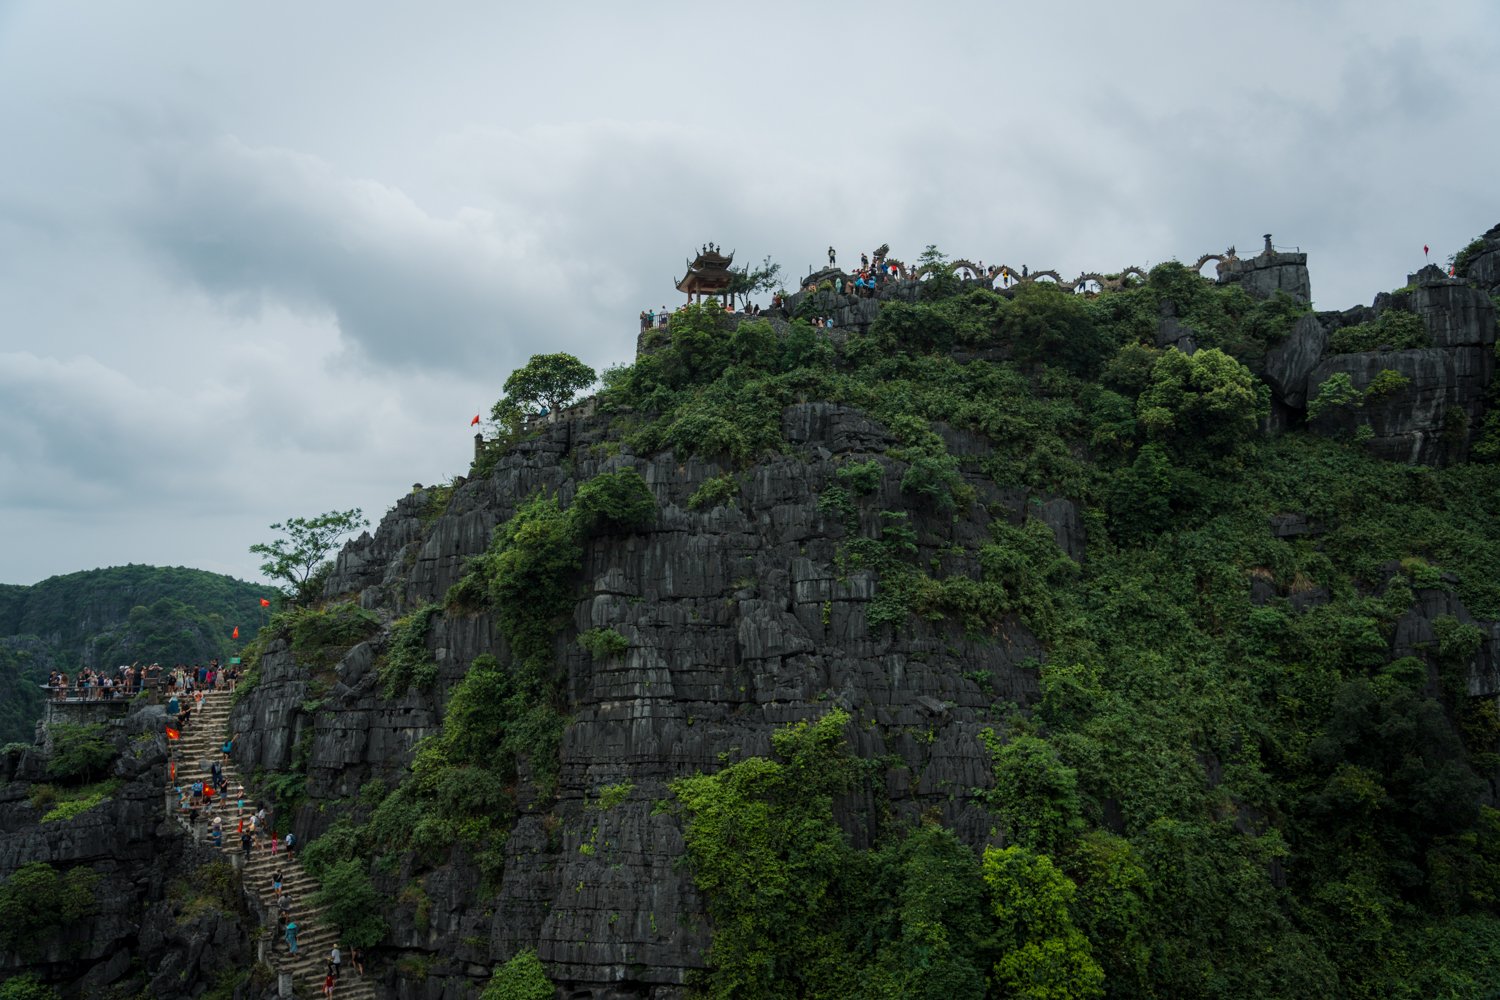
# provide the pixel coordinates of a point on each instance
(548, 380)
(27, 987)
(300, 560)
(714, 492)
(320, 636)
(1189, 742)
(521, 978)
(73, 802)
(1461, 260)
(407, 663)
(79, 752)
(1392, 330)
(23, 667)
(37, 902)
(462, 786)
(603, 643)
(351, 902)
(212, 888)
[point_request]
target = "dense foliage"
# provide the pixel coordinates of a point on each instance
(37, 902)
(521, 978)
(1216, 796)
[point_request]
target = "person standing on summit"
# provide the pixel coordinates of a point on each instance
(830, 256)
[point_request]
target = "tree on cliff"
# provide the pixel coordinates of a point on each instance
(746, 281)
(550, 380)
(300, 559)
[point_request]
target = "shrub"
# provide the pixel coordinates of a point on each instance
(407, 663)
(350, 901)
(861, 478)
(1337, 392)
(27, 987)
(1385, 384)
(521, 978)
(321, 636)
(1043, 954)
(75, 803)
(936, 477)
(1045, 324)
(1203, 405)
(1393, 329)
(1466, 256)
(603, 643)
(714, 491)
(1036, 793)
(617, 502)
(340, 842)
(79, 751)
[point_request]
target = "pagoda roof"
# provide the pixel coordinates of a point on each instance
(711, 260)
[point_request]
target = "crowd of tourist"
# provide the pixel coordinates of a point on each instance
(130, 679)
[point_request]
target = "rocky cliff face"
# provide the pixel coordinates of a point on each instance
(739, 619)
(151, 931)
(1434, 416)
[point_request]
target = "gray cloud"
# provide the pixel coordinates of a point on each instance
(254, 272)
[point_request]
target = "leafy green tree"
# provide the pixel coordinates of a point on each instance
(37, 903)
(1036, 793)
(298, 558)
(1048, 325)
(550, 380)
(767, 854)
(747, 281)
(613, 501)
(1202, 405)
(351, 902)
(79, 752)
(1335, 394)
(939, 949)
(521, 978)
(939, 281)
(1043, 956)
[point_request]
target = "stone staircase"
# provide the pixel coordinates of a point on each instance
(200, 745)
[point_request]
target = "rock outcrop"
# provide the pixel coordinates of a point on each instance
(739, 618)
(1432, 413)
(1484, 267)
(1270, 272)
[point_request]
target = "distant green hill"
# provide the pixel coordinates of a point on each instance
(104, 617)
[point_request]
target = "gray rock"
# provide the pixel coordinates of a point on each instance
(1289, 363)
(1269, 273)
(1432, 419)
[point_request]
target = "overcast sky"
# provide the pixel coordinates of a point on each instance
(264, 260)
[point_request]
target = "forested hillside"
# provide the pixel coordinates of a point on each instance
(105, 617)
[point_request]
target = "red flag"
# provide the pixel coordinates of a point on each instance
(236, 633)
(1424, 249)
(474, 421)
(172, 734)
(265, 603)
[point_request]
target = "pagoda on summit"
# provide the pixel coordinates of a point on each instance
(708, 274)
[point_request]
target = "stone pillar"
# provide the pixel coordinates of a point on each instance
(284, 984)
